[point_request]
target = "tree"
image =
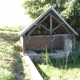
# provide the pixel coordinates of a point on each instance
(36, 7)
(72, 14)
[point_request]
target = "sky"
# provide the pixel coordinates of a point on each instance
(12, 13)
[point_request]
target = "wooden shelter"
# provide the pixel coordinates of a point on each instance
(48, 30)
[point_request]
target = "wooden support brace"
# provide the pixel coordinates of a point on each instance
(66, 29)
(57, 26)
(62, 25)
(39, 23)
(28, 40)
(56, 19)
(51, 45)
(53, 39)
(57, 35)
(44, 27)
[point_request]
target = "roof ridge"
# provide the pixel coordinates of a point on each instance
(22, 32)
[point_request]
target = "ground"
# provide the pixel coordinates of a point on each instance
(12, 63)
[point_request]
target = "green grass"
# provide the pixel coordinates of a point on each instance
(53, 73)
(56, 69)
(12, 63)
(13, 29)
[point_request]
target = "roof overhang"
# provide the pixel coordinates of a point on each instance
(22, 32)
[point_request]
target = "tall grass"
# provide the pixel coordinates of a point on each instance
(46, 59)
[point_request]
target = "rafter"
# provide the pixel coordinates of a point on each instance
(44, 27)
(38, 24)
(28, 40)
(57, 26)
(66, 29)
(62, 25)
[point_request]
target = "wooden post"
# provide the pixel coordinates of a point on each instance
(51, 45)
(23, 41)
(73, 42)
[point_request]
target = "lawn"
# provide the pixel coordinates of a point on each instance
(53, 73)
(61, 69)
(12, 63)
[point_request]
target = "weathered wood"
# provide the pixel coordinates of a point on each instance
(58, 26)
(62, 25)
(66, 29)
(28, 40)
(38, 36)
(56, 19)
(51, 45)
(38, 24)
(44, 27)
(53, 39)
(23, 40)
(73, 42)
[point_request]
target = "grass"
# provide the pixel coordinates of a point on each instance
(13, 29)
(12, 63)
(53, 73)
(52, 69)
(13, 66)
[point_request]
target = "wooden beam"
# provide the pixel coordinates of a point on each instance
(48, 24)
(39, 23)
(62, 25)
(23, 40)
(58, 26)
(28, 40)
(56, 19)
(39, 36)
(66, 29)
(51, 45)
(44, 27)
(73, 42)
(53, 39)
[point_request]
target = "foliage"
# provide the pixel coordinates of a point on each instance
(36, 7)
(12, 65)
(46, 59)
(10, 28)
(54, 73)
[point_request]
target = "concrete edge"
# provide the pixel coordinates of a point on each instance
(34, 72)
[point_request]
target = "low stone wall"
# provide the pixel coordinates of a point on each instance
(60, 54)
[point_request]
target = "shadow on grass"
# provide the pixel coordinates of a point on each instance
(45, 77)
(15, 61)
(17, 66)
